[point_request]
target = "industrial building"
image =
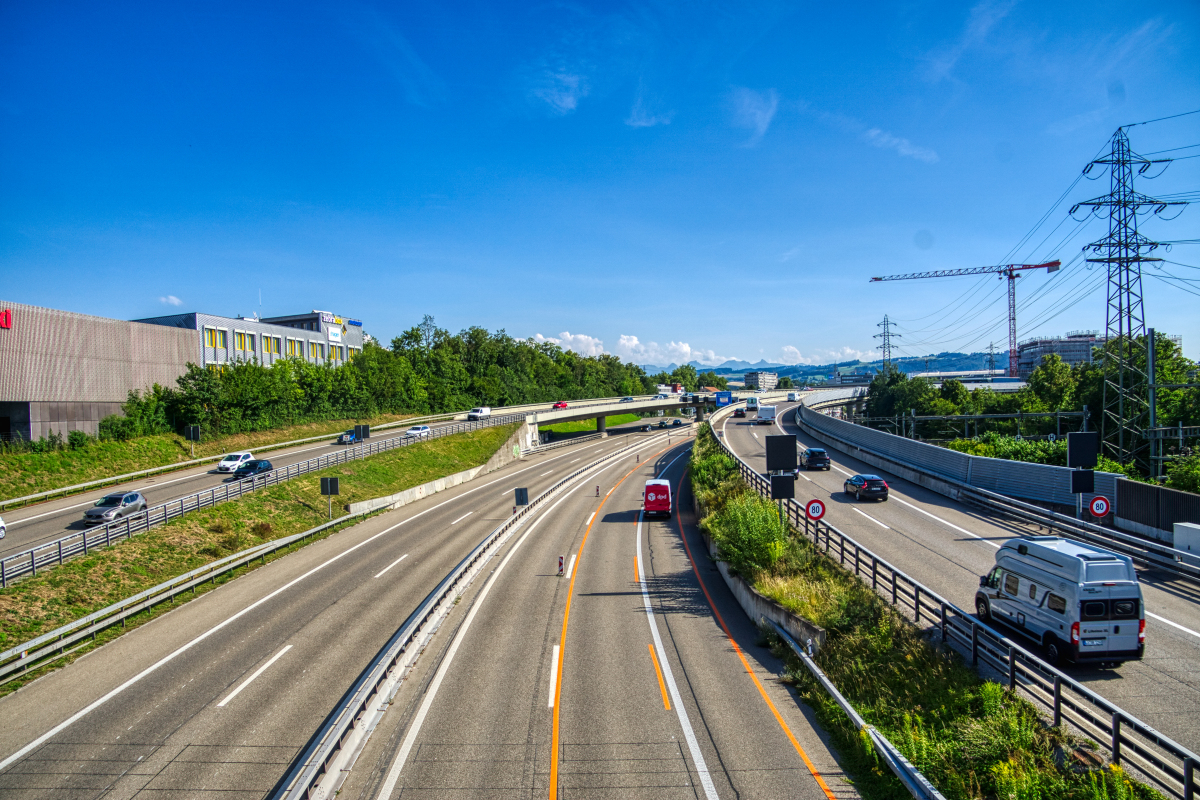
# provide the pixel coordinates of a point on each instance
(62, 371)
(761, 380)
(1074, 348)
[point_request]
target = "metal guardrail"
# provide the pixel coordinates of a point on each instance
(541, 448)
(28, 562)
(1143, 551)
(340, 735)
(916, 783)
(60, 641)
(1162, 760)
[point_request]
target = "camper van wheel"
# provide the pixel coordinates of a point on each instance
(981, 608)
(1052, 651)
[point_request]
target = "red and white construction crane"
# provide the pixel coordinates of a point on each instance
(1004, 271)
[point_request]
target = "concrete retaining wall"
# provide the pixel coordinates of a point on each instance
(509, 452)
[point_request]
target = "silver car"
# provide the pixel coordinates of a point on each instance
(419, 431)
(113, 507)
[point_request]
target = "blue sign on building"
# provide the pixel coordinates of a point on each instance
(724, 399)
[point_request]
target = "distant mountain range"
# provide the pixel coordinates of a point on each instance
(942, 362)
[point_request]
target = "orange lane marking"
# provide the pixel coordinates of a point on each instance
(662, 686)
(562, 640)
(778, 717)
(636, 579)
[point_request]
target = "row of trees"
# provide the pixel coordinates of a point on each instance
(426, 370)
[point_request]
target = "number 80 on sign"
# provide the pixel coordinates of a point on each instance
(814, 509)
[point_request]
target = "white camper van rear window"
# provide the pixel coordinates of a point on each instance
(1106, 571)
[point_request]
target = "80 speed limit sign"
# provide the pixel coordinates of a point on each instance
(1099, 506)
(814, 509)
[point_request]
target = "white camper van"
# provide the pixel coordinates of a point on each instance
(1077, 601)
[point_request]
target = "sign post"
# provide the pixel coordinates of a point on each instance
(330, 487)
(192, 434)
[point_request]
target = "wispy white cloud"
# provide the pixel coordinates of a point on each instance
(393, 51)
(170, 300)
(790, 254)
(885, 140)
(754, 111)
(560, 90)
(641, 115)
(578, 342)
(790, 354)
(631, 348)
(982, 18)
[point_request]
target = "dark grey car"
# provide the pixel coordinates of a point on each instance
(113, 507)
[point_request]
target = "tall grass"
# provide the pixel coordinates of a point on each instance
(972, 738)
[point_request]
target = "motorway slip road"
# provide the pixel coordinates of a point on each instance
(633, 675)
(215, 698)
(36, 524)
(947, 545)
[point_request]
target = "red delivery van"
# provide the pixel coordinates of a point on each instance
(657, 498)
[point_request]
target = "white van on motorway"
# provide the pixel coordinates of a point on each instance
(483, 412)
(752, 404)
(793, 397)
(766, 415)
(1077, 601)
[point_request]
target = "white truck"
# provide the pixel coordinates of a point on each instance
(752, 404)
(793, 397)
(1077, 601)
(766, 415)
(483, 412)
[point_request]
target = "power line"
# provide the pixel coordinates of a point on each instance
(1160, 119)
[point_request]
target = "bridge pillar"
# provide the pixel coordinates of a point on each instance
(602, 425)
(700, 413)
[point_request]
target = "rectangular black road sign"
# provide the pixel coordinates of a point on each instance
(362, 431)
(781, 453)
(522, 496)
(191, 433)
(330, 486)
(1082, 449)
(783, 487)
(1083, 481)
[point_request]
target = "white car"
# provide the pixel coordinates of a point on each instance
(419, 431)
(3, 530)
(231, 462)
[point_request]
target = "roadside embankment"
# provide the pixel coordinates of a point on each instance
(24, 472)
(970, 737)
(41, 603)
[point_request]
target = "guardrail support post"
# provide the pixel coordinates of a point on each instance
(1057, 701)
(874, 571)
(33, 563)
(1012, 668)
(917, 604)
(1189, 777)
(1116, 737)
(893, 587)
(974, 644)
(60, 552)
(945, 624)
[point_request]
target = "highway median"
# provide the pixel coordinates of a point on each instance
(42, 603)
(972, 738)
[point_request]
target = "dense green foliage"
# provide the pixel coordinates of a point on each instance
(972, 738)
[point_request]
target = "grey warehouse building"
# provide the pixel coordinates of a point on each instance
(61, 371)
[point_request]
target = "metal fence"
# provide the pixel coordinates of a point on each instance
(1129, 740)
(1156, 506)
(52, 553)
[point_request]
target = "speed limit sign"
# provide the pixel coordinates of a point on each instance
(815, 509)
(1099, 506)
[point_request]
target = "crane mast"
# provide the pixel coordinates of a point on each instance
(1009, 271)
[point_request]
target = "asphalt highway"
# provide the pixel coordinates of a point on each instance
(215, 698)
(947, 546)
(633, 675)
(33, 525)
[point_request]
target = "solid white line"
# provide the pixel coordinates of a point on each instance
(710, 791)
(567, 575)
(554, 673)
(544, 474)
(589, 522)
(394, 563)
(39, 741)
(1173, 624)
(250, 680)
(414, 729)
(610, 491)
(464, 516)
(868, 516)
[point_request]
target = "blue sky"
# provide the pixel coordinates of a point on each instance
(662, 181)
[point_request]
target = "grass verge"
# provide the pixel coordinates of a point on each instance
(57, 596)
(578, 425)
(971, 737)
(23, 474)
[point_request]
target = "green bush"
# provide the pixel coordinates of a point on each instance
(1184, 474)
(77, 440)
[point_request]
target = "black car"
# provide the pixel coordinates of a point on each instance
(252, 469)
(739, 412)
(662, 424)
(677, 423)
(815, 458)
(863, 486)
(645, 427)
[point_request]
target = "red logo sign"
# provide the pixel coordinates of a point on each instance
(815, 509)
(6, 318)
(1100, 506)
